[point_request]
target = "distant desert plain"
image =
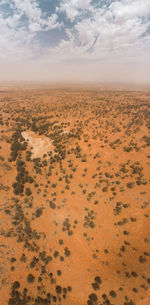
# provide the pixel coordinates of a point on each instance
(74, 196)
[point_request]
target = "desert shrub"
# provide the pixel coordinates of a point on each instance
(104, 296)
(42, 255)
(2, 158)
(113, 294)
(105, 188)
(89, 302)
(130, 185)
(61, 242)
(28, 191)
(59, 272)
(23, 258)
(18, 188)
(142, 259)
(52, 205)
(134, 274)
(129, 303)
(70, 232)
(58, 289)
(54, 185)
(125, 232)
(34, 262)
(69, 288)
(127, 148)
(38, 212)
(98, 280)
(133, 219)
(15, 285)
(67, 252)
(48, 259)
(13, 259)
(30, 278)
(135, 290)
(28, 155)
(56, 253)
(95, 286)
(93, 297)
(61, 258)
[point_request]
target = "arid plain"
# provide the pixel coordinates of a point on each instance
(75, 197)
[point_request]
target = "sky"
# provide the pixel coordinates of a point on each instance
(75, 40)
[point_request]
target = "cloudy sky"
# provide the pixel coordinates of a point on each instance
(75, 40)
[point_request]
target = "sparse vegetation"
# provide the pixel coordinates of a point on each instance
(74, 197)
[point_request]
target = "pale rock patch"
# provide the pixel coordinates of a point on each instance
(40, 144)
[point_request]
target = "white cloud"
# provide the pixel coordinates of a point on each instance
(52, 23)
(111, 31)
(17, 38)
(127, 9)
(74, 8)
(14, 45)
(29, 8)
(36, 18)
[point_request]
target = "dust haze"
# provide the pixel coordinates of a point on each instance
(104, 72)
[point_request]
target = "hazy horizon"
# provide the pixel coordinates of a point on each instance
(72, 41)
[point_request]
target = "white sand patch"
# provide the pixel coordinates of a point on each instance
(40, 144)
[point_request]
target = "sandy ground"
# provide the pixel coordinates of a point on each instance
(74, 203)
(39, 145)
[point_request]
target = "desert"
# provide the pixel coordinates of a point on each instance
(74, 196)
